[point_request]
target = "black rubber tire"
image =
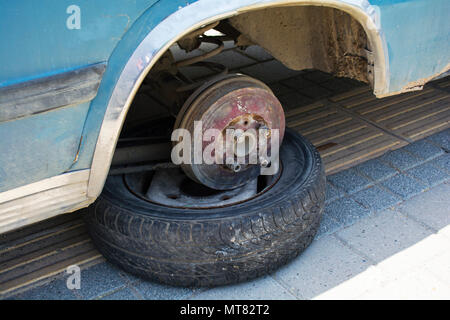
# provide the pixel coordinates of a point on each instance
(189, 247)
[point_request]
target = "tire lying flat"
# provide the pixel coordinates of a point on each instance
(191, 247)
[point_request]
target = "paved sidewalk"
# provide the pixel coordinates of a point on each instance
(385, 234)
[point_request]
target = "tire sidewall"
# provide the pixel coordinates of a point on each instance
(301, 168)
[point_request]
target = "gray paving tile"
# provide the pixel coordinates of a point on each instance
(270, 71)
(196, 72)
(424, 150)
(231, 59)
(332, 193)
(442, 162)
(340, 85)
(155, 291)
(298, 83)
(100, 280)
(376, 199)
(445, 232)
(227, 44)
(258, 53)
(349, 181)
(278, 89)
(317, 76)
(376, 170)
(441, 138)
(429, 174)
(315, 92)
(122, 294)
(263, 288)
(404, 186)
(383, 235)
(355, 82)
(129, 277)
(417, 285)
(328, 225)
(431, 207)
(440, 266)
(55, 290)
(345, 211)
(293, 100)
(400, 159)
(324, 265)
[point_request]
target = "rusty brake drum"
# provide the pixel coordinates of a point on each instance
(231, 103)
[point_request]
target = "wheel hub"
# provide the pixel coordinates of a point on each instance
(245, 112)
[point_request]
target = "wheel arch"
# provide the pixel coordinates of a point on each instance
(178, 24)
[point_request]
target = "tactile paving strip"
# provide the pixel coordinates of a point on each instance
(412, 115)
(347, 129)
(42, 251)
(343, 140)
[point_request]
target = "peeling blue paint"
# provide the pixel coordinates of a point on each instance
(40, 146)
(418, 38)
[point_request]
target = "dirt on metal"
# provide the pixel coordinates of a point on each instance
(308, 37)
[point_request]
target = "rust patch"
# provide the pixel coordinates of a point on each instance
(309, 37)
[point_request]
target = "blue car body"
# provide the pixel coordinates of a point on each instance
(69, 145)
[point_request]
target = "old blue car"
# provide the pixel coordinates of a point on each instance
(73, 133)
